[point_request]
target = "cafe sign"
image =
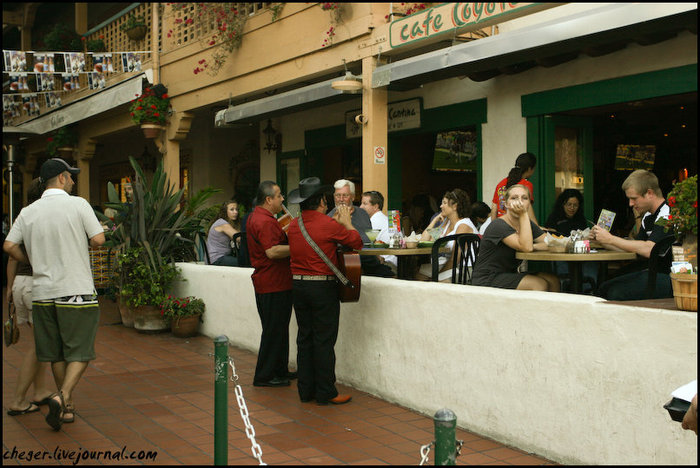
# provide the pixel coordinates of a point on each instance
(402, 115)
(449, 17)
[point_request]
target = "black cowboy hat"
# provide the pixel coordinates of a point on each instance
(308, 188)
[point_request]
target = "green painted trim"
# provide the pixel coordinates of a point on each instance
(282, 180)
(112, 19)
(324, 137)
(627, 88)
(451, 116)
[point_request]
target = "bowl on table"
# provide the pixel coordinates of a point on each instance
(411, 244)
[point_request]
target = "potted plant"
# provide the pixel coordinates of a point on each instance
(134, 27)
(184, 314)
(683, 220)
(150, 109)
(62, 142)
(150, 233)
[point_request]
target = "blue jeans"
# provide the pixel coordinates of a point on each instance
(633, 286)
(226, 260)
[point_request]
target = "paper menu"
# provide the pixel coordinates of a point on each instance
(606, 219)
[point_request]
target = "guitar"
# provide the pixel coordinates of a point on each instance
(349, 265)
(285, 219)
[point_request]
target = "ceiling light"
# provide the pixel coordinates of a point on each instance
(350, 84)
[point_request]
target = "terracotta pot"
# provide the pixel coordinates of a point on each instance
(151, 130)
(66, 152)
(185, 327)
(136, 33)
(148, 319)
(126, 313)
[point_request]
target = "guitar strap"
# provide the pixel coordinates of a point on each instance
(346, 282)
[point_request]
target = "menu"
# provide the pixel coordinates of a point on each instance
(606, 219)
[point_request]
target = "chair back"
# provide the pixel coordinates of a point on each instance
(656, 262)
(465, 255)
(241, 240)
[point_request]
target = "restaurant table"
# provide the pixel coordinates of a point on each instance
(403, 256)
(575, 261)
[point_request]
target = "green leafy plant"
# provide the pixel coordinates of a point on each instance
(133, 21)
(151, 106)
(62, 38)
(140, 284)
(95, 45)
(64, 137)
(683, 201)
(276, 10)
(177, 307)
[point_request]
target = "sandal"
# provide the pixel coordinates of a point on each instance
(56, 410)
(69, 414)
(32, 408)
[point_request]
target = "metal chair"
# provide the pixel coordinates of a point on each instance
(656, 262)
(467, 250)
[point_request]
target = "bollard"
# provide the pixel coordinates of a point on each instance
(445, 437)
(221, 400)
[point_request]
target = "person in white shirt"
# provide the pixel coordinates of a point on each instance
(56, 231)
(373, 203)
(481, 216)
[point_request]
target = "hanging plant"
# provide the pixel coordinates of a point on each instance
(335, 10)
(62, 38)
(151, 106)
(276, 10)
(229, 24)
(64, 137)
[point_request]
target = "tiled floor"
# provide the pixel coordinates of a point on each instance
(156, 393)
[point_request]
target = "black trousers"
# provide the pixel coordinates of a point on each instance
(275, 310)
(317, 309)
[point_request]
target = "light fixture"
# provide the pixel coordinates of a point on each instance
(350, 84)
(272, 137)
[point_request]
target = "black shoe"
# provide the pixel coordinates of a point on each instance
(306, 400)
(275, 382)
(291, 375)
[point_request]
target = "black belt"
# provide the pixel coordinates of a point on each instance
(314, 277)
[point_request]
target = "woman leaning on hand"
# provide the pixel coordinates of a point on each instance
(496, 265)
(227, 223)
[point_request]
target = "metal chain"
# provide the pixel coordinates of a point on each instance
(249, 429)
(424, 452)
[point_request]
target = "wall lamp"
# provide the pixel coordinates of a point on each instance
(273, 139)
(350, 84)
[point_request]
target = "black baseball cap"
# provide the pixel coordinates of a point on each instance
(54, 167)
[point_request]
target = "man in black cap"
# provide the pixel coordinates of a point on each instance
(55, 231)
(315, 288)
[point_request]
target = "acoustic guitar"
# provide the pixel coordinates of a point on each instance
(349, 265)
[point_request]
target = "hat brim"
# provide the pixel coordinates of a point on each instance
(295, 197)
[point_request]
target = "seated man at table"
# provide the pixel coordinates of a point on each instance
(373, 203)
(642, 190)
(344, 195)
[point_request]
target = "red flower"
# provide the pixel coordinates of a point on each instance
(695, 205)
(671, 201)
(156, 114)
(139, 108)
(164, 96)
(670, 217)
(153, 106)
(49, 139)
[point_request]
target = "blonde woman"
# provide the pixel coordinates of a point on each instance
(513, 232)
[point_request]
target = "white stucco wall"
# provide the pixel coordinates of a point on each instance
(568, 377)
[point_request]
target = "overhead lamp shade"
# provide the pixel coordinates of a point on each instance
(348, 84)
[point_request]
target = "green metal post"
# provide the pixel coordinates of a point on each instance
(221, 400)
(445, 437)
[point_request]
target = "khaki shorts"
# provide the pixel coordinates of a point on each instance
(65, 330)
(22, 298)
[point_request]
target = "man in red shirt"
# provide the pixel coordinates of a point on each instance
(269, 255)
(315, 289)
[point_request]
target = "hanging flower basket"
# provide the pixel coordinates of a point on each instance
(66, 152)
(151, 130)
(136, 33)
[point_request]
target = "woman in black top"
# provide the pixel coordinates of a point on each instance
(567, 214)
(513, 232)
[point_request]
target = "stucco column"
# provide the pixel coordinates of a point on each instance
(374, 133)
(86, 150)
(178, 128)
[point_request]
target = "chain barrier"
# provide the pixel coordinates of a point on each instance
(425, 451)
(249, 429)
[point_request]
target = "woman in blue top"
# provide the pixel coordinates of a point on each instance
(221, 232)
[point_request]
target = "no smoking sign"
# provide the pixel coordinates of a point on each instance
(379, 155)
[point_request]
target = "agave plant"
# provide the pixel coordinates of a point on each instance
(154, 220)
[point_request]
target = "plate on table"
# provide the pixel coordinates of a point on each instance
(425, 244)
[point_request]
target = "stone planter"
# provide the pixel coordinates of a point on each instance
(126, 313)
(148, 319)
(185, 327)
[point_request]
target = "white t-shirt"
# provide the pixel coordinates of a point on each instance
(55, 231)
(381, 221)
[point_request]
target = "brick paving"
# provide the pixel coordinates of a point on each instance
(156, 393)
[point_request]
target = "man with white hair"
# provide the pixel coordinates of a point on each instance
(344, 195)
